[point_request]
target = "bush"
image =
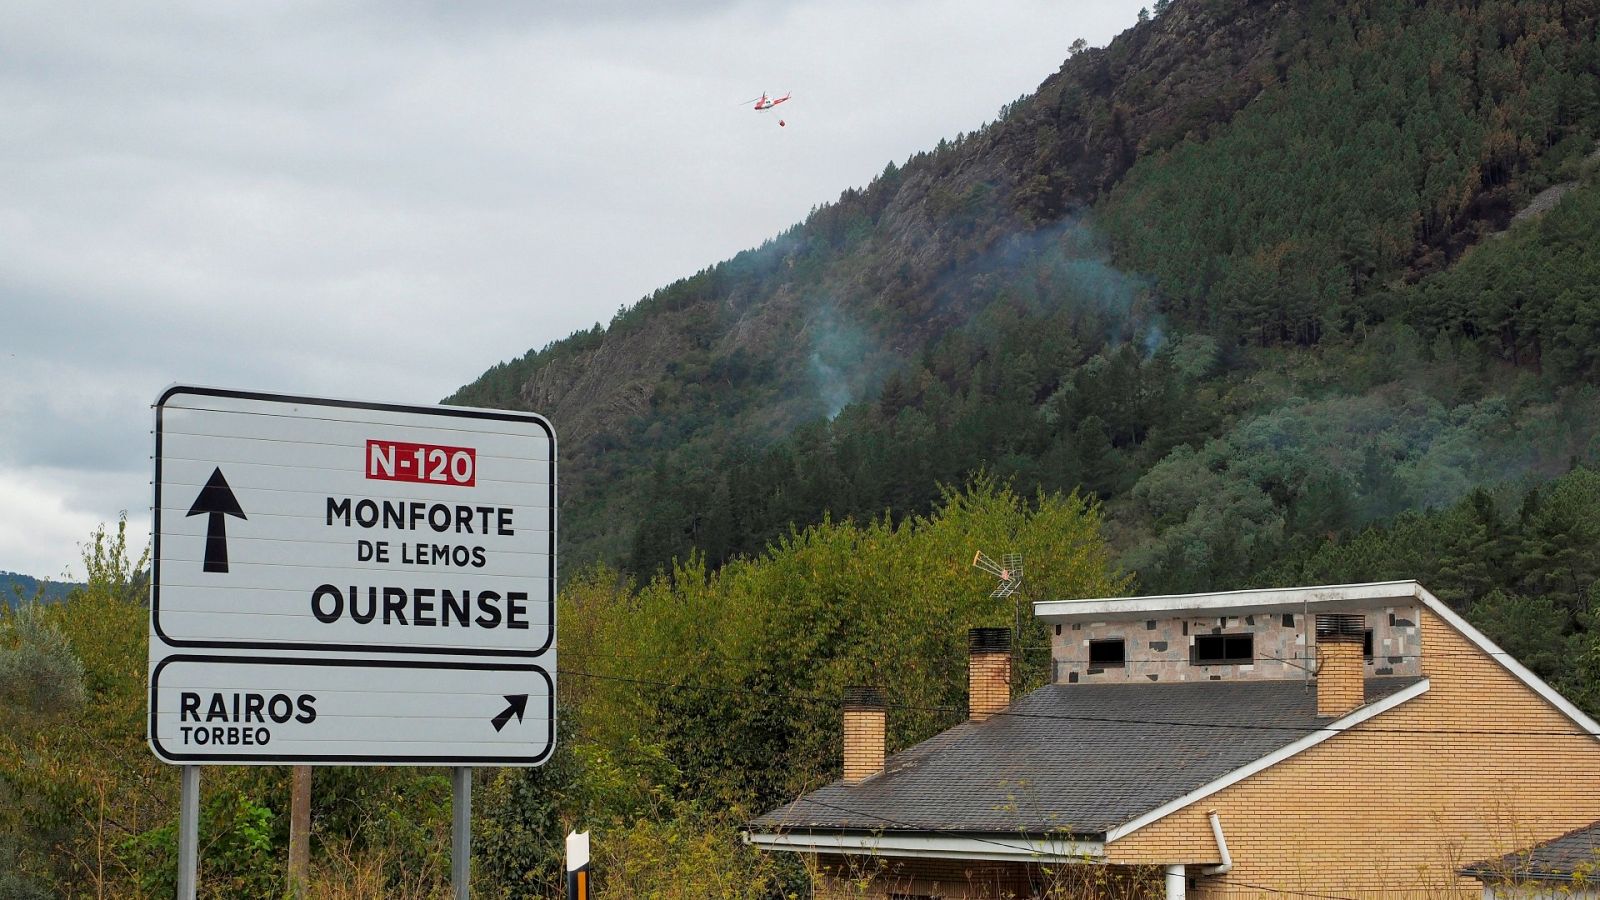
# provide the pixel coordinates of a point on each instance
(38, 670)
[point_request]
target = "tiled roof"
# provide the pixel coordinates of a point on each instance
(1557, 859)
(1076, 759)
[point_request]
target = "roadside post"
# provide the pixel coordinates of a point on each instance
(578, 865)
(349, 583)
(299, 831)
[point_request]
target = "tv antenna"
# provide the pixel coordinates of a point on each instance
(1008, 570)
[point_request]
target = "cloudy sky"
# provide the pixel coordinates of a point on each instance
(379, 200)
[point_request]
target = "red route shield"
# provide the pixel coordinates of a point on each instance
(422, 463)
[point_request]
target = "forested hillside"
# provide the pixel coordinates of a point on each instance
(1233, 274)
(16, 587)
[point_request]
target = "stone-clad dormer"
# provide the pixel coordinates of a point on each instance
(1238, 635)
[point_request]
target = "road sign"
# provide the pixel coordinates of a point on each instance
(304, 524)
(348, 582)
(246, 709)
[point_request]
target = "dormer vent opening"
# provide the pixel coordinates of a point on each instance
(991, 640)
(1341, 627)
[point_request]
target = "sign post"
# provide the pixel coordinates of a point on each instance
(188, 832)
(299, 832)
(351, 583)
(461, 831)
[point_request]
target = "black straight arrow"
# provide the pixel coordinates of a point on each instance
(518, 706)
(216, 500)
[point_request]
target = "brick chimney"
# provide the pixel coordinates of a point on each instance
(988, 671)
(1341, 663)
(864, 717)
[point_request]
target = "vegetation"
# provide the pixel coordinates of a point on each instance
(1529, 299)
(86, 810)
(690, 703)
(1400, 134)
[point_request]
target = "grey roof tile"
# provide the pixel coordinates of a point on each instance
(1558, 858)
(1077, 759)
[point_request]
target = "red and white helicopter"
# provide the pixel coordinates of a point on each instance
(764, 103)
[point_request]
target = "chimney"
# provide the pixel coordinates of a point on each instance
(1341, 663)
(864, 715)
(988, 671)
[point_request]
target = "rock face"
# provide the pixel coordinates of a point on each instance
(599, 388)
(1181, 73)
(1547, 199)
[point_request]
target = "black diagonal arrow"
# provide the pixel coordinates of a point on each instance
(518, 706)
(216, 500)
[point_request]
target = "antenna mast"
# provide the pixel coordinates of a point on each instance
(1009, 571)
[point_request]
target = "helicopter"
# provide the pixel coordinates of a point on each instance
(764, 103)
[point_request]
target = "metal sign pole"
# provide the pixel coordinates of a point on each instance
(461, 832)
(188, 832)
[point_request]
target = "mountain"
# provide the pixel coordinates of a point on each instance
(14, 585)
(1232, 273)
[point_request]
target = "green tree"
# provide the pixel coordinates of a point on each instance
(736, 673)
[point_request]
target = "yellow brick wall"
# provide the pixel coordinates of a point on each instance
(988, 683)
(863, 743)
(1340, 677)
(1373, 813)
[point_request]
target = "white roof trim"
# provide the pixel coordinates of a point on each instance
(934, 846)
(1260, 600)
(1505, 659)
(1335, 727)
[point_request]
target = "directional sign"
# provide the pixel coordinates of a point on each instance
(245, 709)
(348, 582)
(306, 524)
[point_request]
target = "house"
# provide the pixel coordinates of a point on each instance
(1335, 742)
(1566, 867)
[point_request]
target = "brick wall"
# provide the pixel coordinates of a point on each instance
(1340, 687)
(863, 743)
(1376, 813)
(988, 683)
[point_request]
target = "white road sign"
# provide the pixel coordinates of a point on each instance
(292, 710)
(336, 581)
(296, 523)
